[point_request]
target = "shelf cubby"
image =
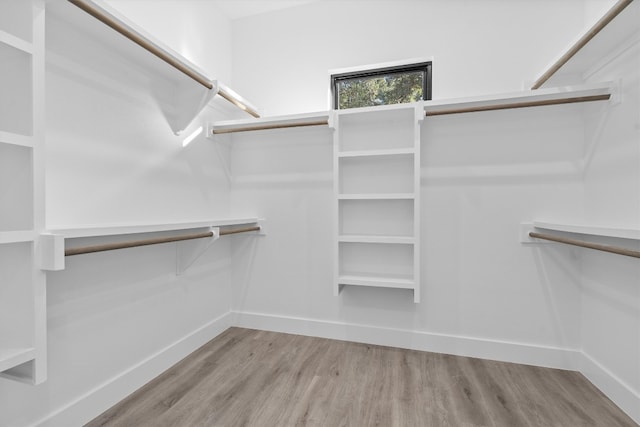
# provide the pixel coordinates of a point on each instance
(377, 205)
(16, 307)
(16, 188)
(16, 102)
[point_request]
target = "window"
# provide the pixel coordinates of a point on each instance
(382, 86)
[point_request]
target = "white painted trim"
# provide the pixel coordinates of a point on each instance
(613, 387)
(92, 403)
(545, 356)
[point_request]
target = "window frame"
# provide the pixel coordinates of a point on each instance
(423, 66)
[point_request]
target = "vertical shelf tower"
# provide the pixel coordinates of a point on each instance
(22, 283)
(377, 197)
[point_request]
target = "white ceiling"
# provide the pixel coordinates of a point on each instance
(236, 9)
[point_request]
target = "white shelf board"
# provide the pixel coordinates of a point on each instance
(350, 238)
(117, 229)
(377, 109)
(506, 100)
(16, 139)
(376, 281)
(16, 42)
(19, 236)
(372, 153)
(617, 232)
(377, 196)
(12, 357)
(618, 35)
(288, 119)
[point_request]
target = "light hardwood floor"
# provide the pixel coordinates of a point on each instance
(255, 378)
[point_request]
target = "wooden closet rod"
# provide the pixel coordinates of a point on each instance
(271, 126)
(608, 17)
(522, 104)
(596, 246)
(148, 45)
(154, 241)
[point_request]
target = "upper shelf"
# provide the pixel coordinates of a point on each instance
(528, 98)
(615, 32)
(94, 21)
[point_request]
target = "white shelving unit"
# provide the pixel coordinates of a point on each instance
(377, 197)
(22, 283)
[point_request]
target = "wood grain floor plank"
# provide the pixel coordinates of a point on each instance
(259, 378)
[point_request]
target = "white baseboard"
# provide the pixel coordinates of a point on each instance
(613, 387)
(416, 340)
(89, 405)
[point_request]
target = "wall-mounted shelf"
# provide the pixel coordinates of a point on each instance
(614, 33)
(503, 101)
(58, 242)
(119, 229)
(187, 89)
(268, 123)
(626, 240)
(590, 230)
(538, 98)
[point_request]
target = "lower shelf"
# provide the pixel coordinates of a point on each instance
(377, 281)
(12, 357)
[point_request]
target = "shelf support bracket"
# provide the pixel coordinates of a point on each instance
(188, 252)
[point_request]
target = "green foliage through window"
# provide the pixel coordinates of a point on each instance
(382, 87)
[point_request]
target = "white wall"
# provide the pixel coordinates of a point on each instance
(611, 284)
(117, 319)
(483, 293)
(281, 59)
